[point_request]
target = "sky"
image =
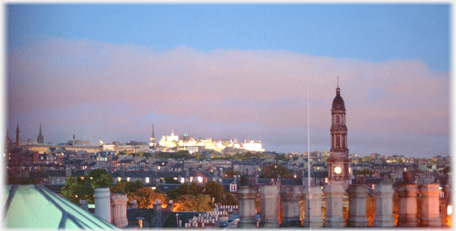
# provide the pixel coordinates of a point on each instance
(108, 72)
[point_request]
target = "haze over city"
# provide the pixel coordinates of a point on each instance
(108, 72)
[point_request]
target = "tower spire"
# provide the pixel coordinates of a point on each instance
(338, 162)
(7, 137)
(18, 140)
(40, 138)
(153, 133)
(152, 139)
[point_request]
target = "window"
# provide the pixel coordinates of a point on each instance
(233, 187)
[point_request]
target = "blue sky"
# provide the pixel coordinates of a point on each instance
(200, 42)
(374, 32)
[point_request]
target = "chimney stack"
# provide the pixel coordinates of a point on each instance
(103, 203)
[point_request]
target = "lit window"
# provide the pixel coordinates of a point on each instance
(147, 179)
(128, 179)
(119, 178)
(233, 187)
(199, 179)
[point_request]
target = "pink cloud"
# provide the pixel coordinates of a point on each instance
(266, 87)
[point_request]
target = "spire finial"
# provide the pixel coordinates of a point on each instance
(337, 81)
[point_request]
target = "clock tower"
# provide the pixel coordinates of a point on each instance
(338, 162)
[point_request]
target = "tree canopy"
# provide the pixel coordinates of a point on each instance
(211, 188)
(76, 189)
(174, 155)
(367, 159)
(125, 187)
(145, 197)
(273, 170)
(99, 178)
(200, 203)
(229, 173)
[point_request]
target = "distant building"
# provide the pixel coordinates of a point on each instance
(253, 146)
(175, 143)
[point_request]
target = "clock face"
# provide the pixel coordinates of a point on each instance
(337, 170)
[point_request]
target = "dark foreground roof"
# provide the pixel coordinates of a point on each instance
(36, 207)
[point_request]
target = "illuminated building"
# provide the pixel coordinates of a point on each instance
(253, 146)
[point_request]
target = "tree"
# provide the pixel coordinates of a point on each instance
(146, 197)
(370, 209)
(200, 156)
(273, 170)
(99, 178)
(367, 159)
(76, 189)
(229, 173)
(200, 203)
(215, 190)
(225, 156)
(184, 189)
(125, 187)
(229, 199)
(215, 156)
(211, 188)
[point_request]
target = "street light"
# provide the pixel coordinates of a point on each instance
(177, 220)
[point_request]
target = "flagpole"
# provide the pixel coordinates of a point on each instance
(308, 155)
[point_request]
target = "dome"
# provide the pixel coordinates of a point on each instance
(338, 102)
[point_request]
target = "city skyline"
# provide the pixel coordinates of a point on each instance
(108, 72)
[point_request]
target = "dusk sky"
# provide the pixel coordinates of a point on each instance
(108, 72)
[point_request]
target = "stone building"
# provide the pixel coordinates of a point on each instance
(338, 162)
